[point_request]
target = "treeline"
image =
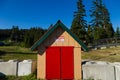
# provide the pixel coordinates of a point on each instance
(21, 37)
(99, 26)
(4, 33)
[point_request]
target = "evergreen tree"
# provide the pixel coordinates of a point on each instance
(96, 13)
(22, 33)
(101, 21)
(96, 22)
(89, 37)
(5, 34)
(79, 23)
(117, 33)
(107, 25)
(32, 35)
(15, 34)
(27, 39)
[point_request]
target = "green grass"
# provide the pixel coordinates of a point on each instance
(29, 77)
(16, 52)
(110, 55)
(15, 49)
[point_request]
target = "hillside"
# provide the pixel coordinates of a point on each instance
(16, 52)
(110, 54)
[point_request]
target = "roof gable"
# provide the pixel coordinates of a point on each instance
(58, 24)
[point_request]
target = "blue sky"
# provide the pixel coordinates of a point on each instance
(42, 13)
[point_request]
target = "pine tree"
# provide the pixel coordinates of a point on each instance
(96, 13)
(32, 35)
(96, 21)
(89, 37)
(107, 25)
(117, 33)
(15, 34)
(101, 20)
(79, 23)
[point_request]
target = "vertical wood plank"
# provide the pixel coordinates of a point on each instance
(65, 43)
(77, 64)
(71, 41)
(41, 65)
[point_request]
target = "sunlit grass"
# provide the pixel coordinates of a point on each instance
(15, 49)
(16, 52)
(109, 54)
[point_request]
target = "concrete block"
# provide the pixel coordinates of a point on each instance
(90, 62)
(98, 72)
(117, 70)
(95, 48)
(112, 46)
(24, 68)
(8, 68)
(85, 61)
(97, 62)
(102, 63)
(118, 46)
(103, 47)
(12, 60)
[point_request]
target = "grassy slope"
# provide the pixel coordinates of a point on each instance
(110, 54)
(16, 52)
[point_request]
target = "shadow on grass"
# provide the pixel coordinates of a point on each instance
(3, 76)
(2, 53)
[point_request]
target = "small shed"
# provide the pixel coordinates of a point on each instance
(59, 54)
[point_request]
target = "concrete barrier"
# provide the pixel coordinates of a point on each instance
(90, 62)
(25, 68)
(104, 47)
(13, 67)
(98, 72)
(102, 63)
(8, 68)
(117, 70)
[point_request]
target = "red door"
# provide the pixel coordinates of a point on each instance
(67, 61)
(53, 63)
(59, 63)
